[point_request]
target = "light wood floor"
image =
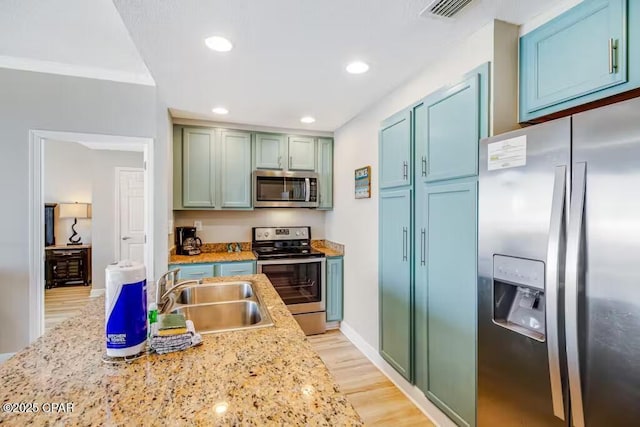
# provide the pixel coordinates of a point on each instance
(377, 400)
(62, 303)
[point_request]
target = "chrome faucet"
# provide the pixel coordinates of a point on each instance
(161, 285)
(164, 295)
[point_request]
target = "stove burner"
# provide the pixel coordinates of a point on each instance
(283, 242)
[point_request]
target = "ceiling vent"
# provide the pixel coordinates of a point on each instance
(444, 8)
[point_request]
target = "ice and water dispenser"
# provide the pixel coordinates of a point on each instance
(518, 295)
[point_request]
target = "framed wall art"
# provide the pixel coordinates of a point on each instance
(363, 182)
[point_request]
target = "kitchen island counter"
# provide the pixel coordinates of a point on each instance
(268, 376)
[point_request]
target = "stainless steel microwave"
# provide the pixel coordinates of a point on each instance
(279, 189)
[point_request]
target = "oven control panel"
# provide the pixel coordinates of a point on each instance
(281, 233)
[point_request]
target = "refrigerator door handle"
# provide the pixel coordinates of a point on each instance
(574, 245)
(556, 229)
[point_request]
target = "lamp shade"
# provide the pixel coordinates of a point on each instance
(74, 210)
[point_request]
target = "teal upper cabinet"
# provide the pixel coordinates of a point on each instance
(395, 151)
(198, 166)
(302, 153)
(334, 289)
(452, 132)
(235, 169)
(212, 168)
(325, 170)
(588, 53)
(273, 151)
(270, 150)
(395, 279)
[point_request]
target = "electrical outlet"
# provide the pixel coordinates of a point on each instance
(170, 226)
(198, 225)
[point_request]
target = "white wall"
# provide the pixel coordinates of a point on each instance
(30, 100)
(104, 163)
(67, 179)
(235, 226)
(354, 222)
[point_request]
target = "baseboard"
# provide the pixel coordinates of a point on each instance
(96, 293)
(333, 325)
(5, 356)
(412, 392)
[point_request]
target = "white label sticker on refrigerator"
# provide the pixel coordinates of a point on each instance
(509, 153)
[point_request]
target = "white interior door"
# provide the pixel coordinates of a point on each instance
(131, 214)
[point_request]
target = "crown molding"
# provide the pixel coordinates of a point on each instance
(51, 67)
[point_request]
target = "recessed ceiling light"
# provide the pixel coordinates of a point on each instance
(357, 67)
(307, 119)
(220, 110)
(219, 44)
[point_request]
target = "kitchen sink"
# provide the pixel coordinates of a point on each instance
(221, 307)
(225, 316)
(215, 292)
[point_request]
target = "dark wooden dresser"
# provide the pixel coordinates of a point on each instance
(67, 265)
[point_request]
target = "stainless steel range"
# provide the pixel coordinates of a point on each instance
(296, 270)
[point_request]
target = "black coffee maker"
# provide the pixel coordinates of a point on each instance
(187, 243)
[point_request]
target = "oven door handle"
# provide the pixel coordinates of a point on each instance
(282, 261)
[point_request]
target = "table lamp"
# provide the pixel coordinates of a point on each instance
(75, 211)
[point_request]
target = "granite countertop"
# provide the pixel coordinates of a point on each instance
(329, 248)
(328, 251)
(268, 376)
(207, 257)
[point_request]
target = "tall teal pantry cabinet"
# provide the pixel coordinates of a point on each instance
(395, 204)
(428, 242)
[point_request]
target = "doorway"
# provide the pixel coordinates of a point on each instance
(106, 214)
(129, 213)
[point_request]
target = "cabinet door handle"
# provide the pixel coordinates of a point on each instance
(405, 170)
(127, 238)
(279, 161)
(613, 53)
(424, 165)
(404, 243)
(423, 246)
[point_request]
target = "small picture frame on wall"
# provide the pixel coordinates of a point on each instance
(363, 182)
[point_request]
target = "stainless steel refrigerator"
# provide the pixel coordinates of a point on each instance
(559, 272)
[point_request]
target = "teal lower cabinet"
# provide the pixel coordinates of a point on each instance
(235, 268)
(446, 306)
(334, 289)
(395, 280)
(193, 271)
(218, 269)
